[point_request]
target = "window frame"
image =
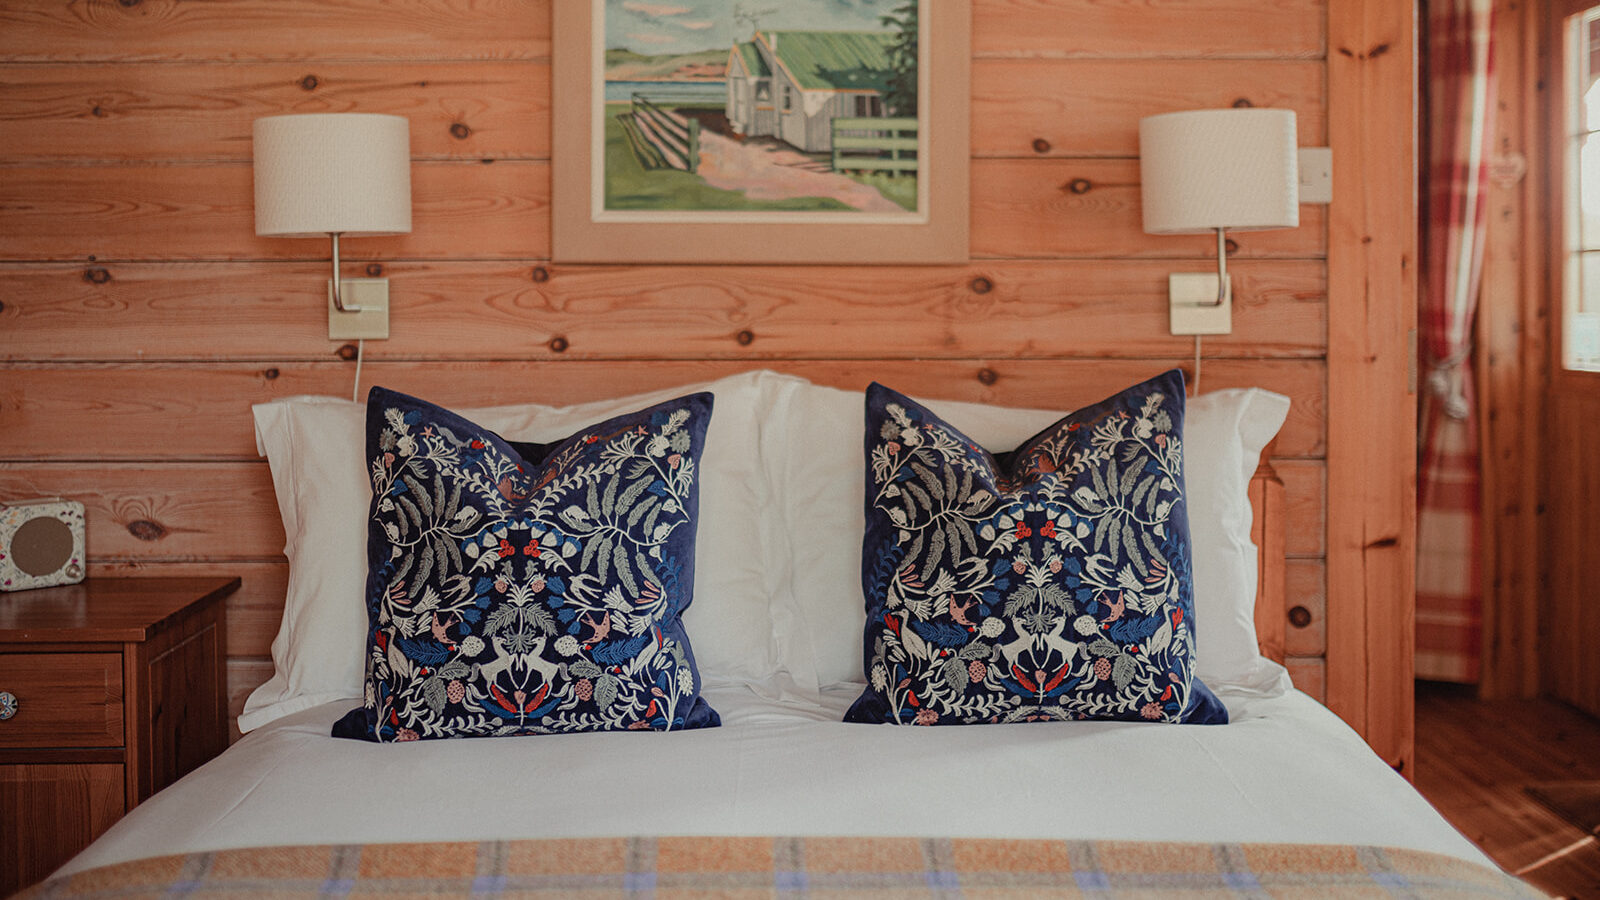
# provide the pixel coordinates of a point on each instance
(1564, 237)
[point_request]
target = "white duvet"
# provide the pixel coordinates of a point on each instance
(1285, 770)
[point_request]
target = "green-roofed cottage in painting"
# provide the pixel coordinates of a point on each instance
(792, 84)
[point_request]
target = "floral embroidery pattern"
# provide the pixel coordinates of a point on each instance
(515, 597)
(1053, 585)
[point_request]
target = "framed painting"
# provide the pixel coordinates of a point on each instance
(807, 131)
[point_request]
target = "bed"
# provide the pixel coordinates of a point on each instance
(747, 767)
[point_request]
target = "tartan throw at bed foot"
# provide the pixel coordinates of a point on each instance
(796, 867)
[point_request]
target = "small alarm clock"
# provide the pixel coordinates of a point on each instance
(41, 543)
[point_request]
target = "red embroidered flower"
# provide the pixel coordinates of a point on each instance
(1048, 529)
(506, 549)
(1023, 531)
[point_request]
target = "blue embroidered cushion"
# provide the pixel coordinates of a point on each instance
(528, 589)
(1052, 583)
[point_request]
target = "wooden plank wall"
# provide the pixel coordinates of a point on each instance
(1513, 362)
(1570, 612)
(141, 315)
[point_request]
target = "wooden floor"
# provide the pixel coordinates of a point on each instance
(1474, 762)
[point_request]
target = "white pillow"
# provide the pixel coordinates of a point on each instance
(822, 484)
(316, 447)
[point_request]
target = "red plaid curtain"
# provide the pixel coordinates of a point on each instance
(1449, 583)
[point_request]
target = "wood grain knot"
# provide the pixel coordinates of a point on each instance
(146, 530)
(1080, 185)
(347, 352)
(130, 4)
(1383, 543)
(270, 374)
(558, 345)
(540, 274)
(1231, 245)
(988, 376)
(981, 285)
(1299, 617)
(745, 338)
(1243, 103)
(309, 83)
(99, 112)
(96, 275)
(1040, 145)
(374, 269)
(460, 131)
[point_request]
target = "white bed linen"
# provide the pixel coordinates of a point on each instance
(1285, 770)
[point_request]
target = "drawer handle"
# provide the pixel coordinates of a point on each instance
(8, 705)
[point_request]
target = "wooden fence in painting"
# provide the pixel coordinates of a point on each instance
(672, 140)
(875, 145)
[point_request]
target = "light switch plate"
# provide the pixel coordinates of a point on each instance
(1316, 174)
(1191, 298)
(372, 322)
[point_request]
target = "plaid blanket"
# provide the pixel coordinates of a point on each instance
(797, 867)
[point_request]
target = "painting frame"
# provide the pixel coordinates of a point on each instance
(937, 234)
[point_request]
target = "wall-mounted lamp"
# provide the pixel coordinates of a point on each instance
(1215, 170)
(333, 175)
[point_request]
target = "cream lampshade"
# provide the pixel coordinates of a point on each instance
(1219, 169)
(327, 175)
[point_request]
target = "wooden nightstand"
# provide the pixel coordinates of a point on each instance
(120, 689)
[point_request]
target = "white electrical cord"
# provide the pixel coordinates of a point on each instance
(361, 346)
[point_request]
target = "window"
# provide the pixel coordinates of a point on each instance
(788, 98)
(1581, 318)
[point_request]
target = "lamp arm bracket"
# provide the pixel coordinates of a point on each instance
(338, 299)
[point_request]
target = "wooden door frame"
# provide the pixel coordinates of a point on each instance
(1372, 314)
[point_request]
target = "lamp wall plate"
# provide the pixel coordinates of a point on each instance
(1193, 303)
(372, 322)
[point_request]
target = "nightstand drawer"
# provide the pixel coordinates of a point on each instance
(62, 700)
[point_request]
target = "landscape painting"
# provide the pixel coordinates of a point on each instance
(801, 106)
(842, 113)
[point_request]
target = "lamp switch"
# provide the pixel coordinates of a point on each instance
(1316, 174)
(1194, 307)
(371, 322)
